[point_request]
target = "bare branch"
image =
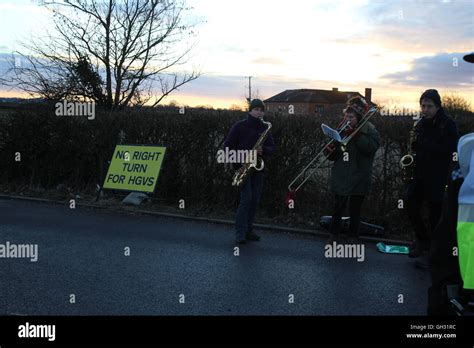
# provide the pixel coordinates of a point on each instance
(134, 44)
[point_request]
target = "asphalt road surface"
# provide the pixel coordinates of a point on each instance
(82, 252)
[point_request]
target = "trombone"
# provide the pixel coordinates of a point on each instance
(308, 172)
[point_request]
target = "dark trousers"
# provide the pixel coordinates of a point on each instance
(414, 202)
(444, 266)
(355, 206)
(250, 194)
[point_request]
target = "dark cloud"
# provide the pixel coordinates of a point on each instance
(6, 57)
(216, 86)
(6, 60)
(439, 70)
(237, 87)
(420, 24)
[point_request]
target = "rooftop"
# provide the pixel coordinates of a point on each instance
(318, 96)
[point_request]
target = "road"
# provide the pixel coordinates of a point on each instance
(82, 252)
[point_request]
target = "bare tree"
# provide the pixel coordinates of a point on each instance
(456, 105)
(135, 45)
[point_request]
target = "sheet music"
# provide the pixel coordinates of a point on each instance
(333, 134)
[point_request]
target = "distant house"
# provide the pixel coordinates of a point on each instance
(312, 101)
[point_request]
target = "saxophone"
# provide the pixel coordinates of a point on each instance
(243, 172)
(407, 162)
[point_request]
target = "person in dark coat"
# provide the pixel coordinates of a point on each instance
(351, 174)
(243, 136)
(434, 148)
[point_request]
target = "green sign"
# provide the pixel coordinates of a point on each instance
(134, 168)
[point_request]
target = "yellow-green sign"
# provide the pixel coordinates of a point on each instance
(134, 168)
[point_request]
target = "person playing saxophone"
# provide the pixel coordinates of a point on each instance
(434, 145)
(243, 136)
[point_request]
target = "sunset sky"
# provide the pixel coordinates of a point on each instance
(398, 48)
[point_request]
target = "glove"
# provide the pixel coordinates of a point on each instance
(329, 149)
(332, 151)
(347, 132)
(290, 196)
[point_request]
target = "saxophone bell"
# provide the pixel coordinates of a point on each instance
(407, 161)
(259, 165)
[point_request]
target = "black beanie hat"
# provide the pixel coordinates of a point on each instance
(433, 95)
(257, 103)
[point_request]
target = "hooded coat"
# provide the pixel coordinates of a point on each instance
(351, 173)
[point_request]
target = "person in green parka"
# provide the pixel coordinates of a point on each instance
(351, 175)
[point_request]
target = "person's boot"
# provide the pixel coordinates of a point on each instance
(342, 238)
(240, 240)
(414, 250)
(422, 261)
(332, 238)
(352, 239)
(252, 236)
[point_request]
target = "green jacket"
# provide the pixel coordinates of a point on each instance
(352, 172)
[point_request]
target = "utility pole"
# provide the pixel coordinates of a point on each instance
(249, 99)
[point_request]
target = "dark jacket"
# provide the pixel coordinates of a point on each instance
(245, 133)
(434, 147)
(354, 176)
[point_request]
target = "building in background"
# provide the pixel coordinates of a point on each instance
(312, 101)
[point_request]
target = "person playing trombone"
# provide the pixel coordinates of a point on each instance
(351, 173)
